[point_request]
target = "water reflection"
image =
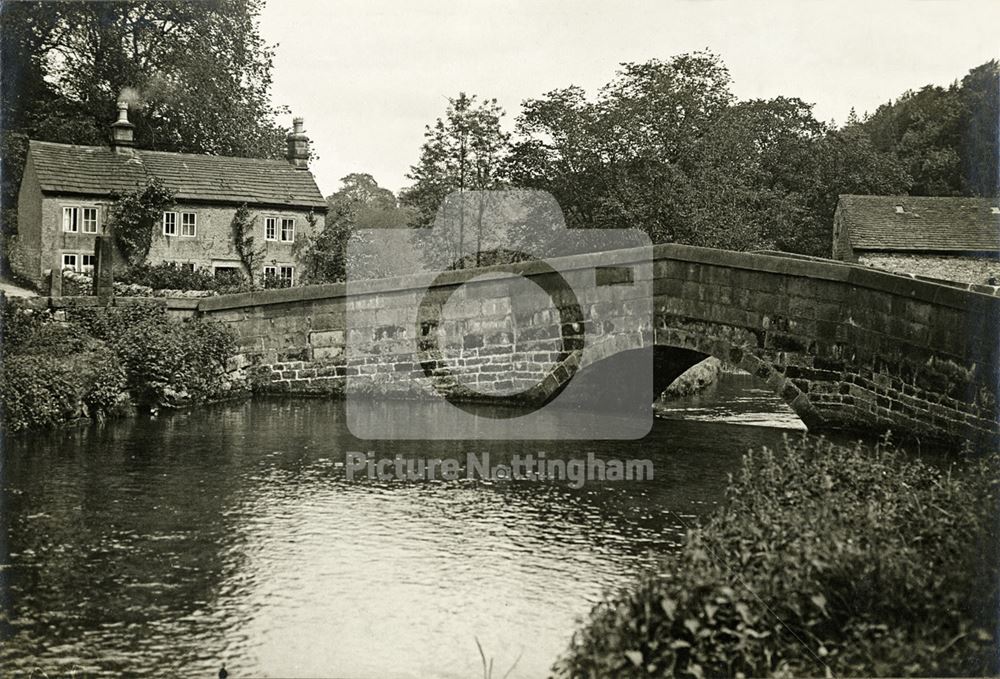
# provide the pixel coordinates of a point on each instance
(230, 534)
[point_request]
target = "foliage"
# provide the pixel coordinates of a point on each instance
(54, 372)
(464, 151)
(173, 363)
(167, 276)
(243, 241)
(133, 215)
(196, 74)
(359, 204)
(103, 359)
(667, 148)
(946, 138)
(37, 392)
(827, 560)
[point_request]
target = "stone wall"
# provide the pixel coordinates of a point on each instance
(973, 270)
(845, 346)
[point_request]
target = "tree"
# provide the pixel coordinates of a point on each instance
(464, 151)
(359, 204)
(945, 137)
(196, 73)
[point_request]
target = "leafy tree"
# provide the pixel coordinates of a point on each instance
(359, 204)
(464, 151)
(946, 138)
(196, 73)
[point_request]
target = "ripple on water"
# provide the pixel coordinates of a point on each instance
(230, 534)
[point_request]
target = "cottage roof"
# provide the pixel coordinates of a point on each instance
(97, 170)
(921, 223)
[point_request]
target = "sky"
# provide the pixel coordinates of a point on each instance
(368, 75)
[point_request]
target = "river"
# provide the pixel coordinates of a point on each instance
(167, 546)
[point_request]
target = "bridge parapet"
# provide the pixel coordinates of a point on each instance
(847, 347)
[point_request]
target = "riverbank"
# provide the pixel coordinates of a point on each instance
(89, 363)
(825, 560)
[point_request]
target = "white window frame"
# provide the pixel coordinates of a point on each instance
(76, 261)
(173, 221)
(83, 262)
(278, 272)
(74, 212)
(193, 225)
(291, 231)
(270, 228)
(83, 220)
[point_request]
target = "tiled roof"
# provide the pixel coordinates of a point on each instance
(96, 170)
(924, 223)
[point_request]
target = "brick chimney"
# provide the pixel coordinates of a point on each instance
(121, 131)
(298, 146)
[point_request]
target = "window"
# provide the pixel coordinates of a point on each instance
(87, 262)
(189, 224)
(287, 230)
(169, 223)
(70, 215)
(69, 261)
(270, 228)
(89, 220)
(279, 276)
(187, 266)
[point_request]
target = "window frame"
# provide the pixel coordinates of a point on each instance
(76, 261)
(281, 232)
(277, 271)
(194, 225)
(82, 221)
(164, 222)
(75, 211)
(270, 228)
(83, 261)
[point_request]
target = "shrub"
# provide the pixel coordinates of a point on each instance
(37, 392)
(173, 363)
(168, 276)
(826, 559)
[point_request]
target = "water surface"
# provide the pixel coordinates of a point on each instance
(230, 534)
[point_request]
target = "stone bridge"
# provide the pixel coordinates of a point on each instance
(845, 346)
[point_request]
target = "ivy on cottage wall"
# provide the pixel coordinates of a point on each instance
(133, 216)
(243, 241)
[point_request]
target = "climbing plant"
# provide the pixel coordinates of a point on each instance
(133, 215)
(243, 239)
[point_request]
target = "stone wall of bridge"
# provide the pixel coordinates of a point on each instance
(845, 346)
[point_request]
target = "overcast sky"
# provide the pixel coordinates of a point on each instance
(369, 75)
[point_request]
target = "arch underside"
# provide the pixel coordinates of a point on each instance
(612, 368)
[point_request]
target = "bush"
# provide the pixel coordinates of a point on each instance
(168, 276)
(826, 559)
(44, 389)
(174, 363)
(104, 359)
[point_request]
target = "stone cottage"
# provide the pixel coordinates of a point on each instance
(956, 239)
(66, 191)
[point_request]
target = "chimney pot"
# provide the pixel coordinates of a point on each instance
(298, 145)
(122, 138)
